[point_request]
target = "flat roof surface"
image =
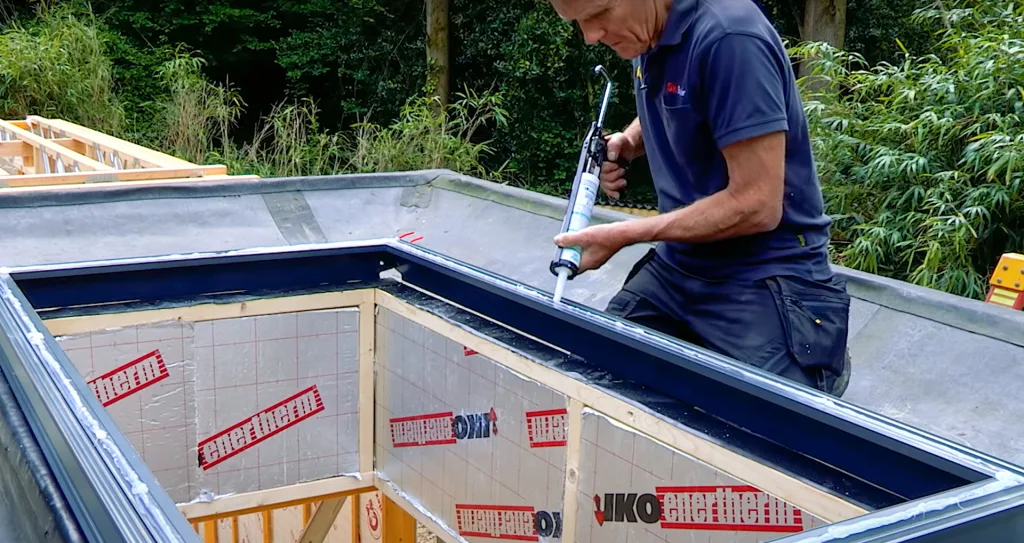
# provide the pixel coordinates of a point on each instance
(941, 363)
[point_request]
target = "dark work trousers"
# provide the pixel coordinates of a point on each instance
(790, 326)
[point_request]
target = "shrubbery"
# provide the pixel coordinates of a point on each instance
(921, 159)
(58, 65)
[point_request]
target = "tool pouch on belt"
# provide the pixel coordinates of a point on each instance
(816, 319)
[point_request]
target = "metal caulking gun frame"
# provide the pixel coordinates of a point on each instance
(584, 191)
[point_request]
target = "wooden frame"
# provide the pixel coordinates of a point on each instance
(581, 398)
(39, 152)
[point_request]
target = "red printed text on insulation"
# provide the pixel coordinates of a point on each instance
(130, 378)
(442, 428)
(259, 427)
(512, 522)
(546, 428)
(721, 508)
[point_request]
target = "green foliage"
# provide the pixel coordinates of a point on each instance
(922, 159)
(56, 66)
(277, 52)
(878, 28)
(917, 128)
(541, 67)
(360, 58)
(289, 142)
(427, 136)
(198, 115)
(872, 26)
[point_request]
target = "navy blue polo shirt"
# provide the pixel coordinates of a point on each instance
(718, 75)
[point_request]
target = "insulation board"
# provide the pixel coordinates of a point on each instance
(481, 448)
(232, 405)
(633, 488)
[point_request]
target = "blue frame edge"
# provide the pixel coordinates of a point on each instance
(942, 491)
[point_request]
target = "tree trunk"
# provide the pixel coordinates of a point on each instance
(824, 21)
(438, 66)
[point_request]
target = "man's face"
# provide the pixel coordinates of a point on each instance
(620, 24)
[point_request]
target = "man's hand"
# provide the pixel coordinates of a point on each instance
(613, 176)
(626, 145)
(598, 243)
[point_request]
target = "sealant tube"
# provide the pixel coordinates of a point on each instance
(569, 257)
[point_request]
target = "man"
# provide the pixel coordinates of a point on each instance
(741, 263)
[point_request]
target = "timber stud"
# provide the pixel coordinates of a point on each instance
(1010, 265)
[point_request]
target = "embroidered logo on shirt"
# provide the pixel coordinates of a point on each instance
(675, 89)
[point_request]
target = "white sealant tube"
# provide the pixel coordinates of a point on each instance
(580, 219)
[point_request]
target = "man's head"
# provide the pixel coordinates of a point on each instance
(629, 27)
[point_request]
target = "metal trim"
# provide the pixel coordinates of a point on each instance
(111, 492)
(42, 475)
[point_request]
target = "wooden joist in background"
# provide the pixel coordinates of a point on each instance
(41, 152)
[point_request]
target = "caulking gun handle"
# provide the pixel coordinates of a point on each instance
(624, 164)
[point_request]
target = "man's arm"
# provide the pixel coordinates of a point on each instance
(743, 96)
(744, 99)
(750, 204)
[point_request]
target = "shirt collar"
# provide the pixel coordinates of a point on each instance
(680, 15)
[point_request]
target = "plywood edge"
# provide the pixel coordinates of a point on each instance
(278, 498)
(161, 180)
(444, 533)
(814, 500)
(110, 175)
(63, 326)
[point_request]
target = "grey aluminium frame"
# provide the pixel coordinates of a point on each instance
(112, 495)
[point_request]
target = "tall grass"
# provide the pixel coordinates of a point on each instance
(56, 66)
(289, 142)
(428, 135)
(198, 115)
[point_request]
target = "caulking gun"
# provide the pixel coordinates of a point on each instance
(585, 185)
